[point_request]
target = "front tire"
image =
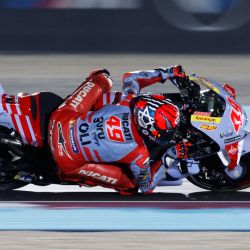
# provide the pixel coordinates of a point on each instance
(212, 176)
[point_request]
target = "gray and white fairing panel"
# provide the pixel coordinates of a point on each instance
(225, 129)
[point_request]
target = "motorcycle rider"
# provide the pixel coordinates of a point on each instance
(88, 141)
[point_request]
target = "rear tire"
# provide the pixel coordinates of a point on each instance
(5, 186)
(8, 166)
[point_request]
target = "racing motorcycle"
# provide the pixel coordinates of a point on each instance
(211, 120)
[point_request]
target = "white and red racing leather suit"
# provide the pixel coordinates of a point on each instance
(91, 143)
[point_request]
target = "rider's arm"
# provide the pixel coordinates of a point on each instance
(86, 95)
(133, 82)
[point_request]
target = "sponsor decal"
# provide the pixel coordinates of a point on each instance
(198, 118)
(208, 127)
(98, 176)
(226, 134)
(99, 127)
(113, 129)
(98, 134)
(202, 113)
(126, 127)
(81, 93)
(62, 141)
(232, 151)
(233, 139)
(84, 134)
(236, 115)
(51, 130)
(72, 138)
(95, 138)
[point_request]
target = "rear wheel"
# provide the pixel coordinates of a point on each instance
(5, 186)
(10, 165)
(212, 176)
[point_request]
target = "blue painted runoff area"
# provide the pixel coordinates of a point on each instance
(111, 219)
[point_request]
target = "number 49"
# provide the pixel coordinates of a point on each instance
(114, 131)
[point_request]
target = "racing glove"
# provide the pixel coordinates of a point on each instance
(180, 151)
(144, 180)
(175, 74)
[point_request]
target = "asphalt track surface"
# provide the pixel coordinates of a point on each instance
(62, 74)
(122, 240)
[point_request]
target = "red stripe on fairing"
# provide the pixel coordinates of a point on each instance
(4, 102)
(23, 121)
(14, 123)
(13, 108)
(97, 155)
(26, 129)
(88, 154)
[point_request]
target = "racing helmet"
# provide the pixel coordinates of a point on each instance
(156, 118)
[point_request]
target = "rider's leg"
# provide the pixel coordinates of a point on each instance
(88, 93)
(63, 119)
(107, 175)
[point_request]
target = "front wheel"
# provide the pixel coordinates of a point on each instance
(213, 177)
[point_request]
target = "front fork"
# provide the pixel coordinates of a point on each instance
(231, 156)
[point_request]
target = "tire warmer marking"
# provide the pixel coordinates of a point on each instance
(1, 102)
(20, 129)
(31, 129)
(4, 102)
(20, 122)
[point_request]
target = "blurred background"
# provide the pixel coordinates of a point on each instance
(155, 26)
(53, 44)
